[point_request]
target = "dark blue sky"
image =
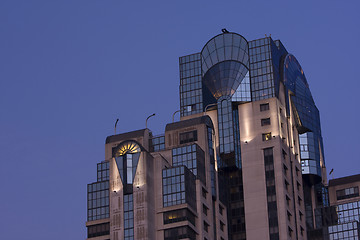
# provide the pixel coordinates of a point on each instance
(69, 68)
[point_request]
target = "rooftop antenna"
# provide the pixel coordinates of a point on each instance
(115, 125)
(224, 30)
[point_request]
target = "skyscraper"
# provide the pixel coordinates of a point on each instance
(245, 161)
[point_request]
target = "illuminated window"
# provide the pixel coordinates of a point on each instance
(178, 216)
(266, 136)
(127, 156)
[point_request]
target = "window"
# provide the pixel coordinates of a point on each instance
(206, 226)
(287, 185)
(187, 137)
(204, 193)
(222, 225)
(299, 200)
(287, 200)
(290, 231)
(284, 154)
(221, 209)
(205, 209)
(98, 230)
(98, 200)
(266, 136)
(271, 193)
(128, 217)
(347, 193)
(265, 121)
(178, 187)
(179, 233)
(289, 216)
(127, 155)
(285, 169)
(157, 143)
(179, 216)
(264, 107)
(103, 171)
(193, 157)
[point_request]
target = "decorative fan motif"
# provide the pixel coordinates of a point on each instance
(128, 147)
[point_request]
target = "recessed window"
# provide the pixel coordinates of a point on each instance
(287, 200)
(205, 209)
(284, 154)
(98, 230)
(290, 231)
(187, 137)
(265, 121)
(289, 216)
(285, 169)
(222, 226)
(206, 226)
(299, 200)
(178, 216)
(347, 193)
(286, 185)
(266, 136)
(204, 193)
(264, 107)
(221, 209)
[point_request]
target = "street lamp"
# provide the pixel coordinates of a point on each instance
(148, 119)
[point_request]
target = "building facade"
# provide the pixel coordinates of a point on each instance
(345, 200)
(245, 161)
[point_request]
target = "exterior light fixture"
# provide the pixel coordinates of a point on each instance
(115, 125)
(148, 119)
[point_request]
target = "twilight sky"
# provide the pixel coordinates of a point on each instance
(69, 68)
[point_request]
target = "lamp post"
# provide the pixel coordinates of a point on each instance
(174, 114)
(115, 125)
(148, 119)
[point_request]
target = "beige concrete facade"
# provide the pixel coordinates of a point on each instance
(148, 193)
(339, 184)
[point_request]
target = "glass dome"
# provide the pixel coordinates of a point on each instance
(225, 62)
